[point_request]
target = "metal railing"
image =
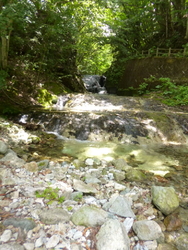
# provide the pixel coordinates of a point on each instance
(160, 52)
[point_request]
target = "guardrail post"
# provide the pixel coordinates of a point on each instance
(169, 52)
(157, 51)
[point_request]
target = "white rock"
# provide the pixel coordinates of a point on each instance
(128, 223)
(53, 241)
(39, 242)
(29, 246)
(6, 236)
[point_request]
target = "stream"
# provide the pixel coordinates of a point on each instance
(146, 133)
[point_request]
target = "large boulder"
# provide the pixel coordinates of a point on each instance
(165, 199)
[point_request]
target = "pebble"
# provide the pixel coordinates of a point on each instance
(105, 213)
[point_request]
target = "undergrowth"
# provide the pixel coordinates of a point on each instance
(171, 93)
(50, 194)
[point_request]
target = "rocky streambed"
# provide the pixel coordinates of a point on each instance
(55, 196)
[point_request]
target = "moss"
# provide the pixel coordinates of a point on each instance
(45, 97)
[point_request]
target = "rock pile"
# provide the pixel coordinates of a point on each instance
(86, 205)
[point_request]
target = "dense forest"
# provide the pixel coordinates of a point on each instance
(46, 45)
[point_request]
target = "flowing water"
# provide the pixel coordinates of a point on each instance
(146, 133)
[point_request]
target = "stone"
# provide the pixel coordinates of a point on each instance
(166, 246)
(165, 199)
(119, 205)
(128, 223)
(135, 175)
(112, 235)
(13, 159)
(24, 224)
(53, 216)
(6, 236)
(172, 222)
(43, 164)
(29, 246)
(11, 246)
(3, 148)
(147, 230)
(150, 245)
(89, 216)
(182, 242)
(119, 175)
(31, 166)
(121, 164)
(53, 241)
(83, 187)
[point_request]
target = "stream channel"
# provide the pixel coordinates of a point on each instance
(149, 135)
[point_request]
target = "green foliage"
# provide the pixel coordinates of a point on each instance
(51, 195)
(78, 197)
(45, 97)
(171, 93)
(3, 76)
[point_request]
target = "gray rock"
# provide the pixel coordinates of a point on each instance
(119, 205)
(83, 187)
(11, 246)
(165, 199)
(24, 224)
(121, 164)
(119, 175)
(13, 159)
(182, 242)
(31, 166)
(147, 230)
(89, 216)
(43, 164)
(135, 175)
(112, 235)
(3, 148)
(53, 216)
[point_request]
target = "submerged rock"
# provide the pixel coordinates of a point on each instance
(182, 242)
(165, 199)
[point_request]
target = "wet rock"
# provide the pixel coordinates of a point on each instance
(182, 242)
(83, 187)
(166, 246)
(119, 175)
(172, 222)
(3, 148)
(89, 216)
(112, 235)
(53, 216)
(165, 199)
(11, 246)
(31, 166)
(135, 175)
(119, 205)
(24, 224)
(121, 164)
(147, 230)
(12, 158)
